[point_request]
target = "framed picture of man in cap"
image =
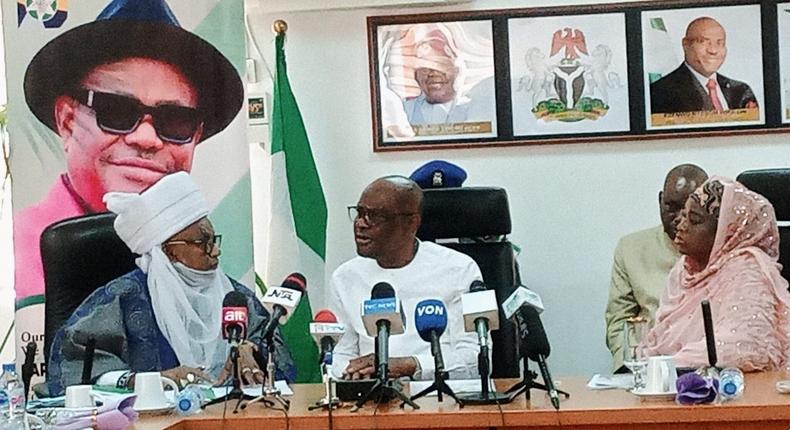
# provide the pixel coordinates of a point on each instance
(435, 81)
(116, 98)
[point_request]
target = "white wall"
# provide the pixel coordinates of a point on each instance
(570, 203)
(6, 248)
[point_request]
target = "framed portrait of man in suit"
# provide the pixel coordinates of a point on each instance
(703, 67)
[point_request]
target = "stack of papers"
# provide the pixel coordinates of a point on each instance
(623, 381)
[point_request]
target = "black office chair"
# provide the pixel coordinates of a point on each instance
(774, 185)
(79, 255)
(474, 213)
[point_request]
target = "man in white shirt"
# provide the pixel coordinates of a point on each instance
(386, 221)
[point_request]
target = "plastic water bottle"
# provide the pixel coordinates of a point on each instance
(3, 400)
(12, 398)
(189, 400)
(730, 383)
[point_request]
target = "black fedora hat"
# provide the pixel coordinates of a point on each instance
(134, 28)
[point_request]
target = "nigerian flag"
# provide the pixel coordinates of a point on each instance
(297, 241)
(659, 51)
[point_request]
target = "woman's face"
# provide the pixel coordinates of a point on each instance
(696, 230)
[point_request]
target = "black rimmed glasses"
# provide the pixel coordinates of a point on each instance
(120, 114)
(208, 244)
(373, 216)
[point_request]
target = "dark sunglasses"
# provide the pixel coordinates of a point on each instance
(206, 244)
(118, 114)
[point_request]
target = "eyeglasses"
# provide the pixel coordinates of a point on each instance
(208, 244)
(119, 114)
(373, 216)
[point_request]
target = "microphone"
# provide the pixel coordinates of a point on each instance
(520, 297)
(29, 366)
(430, 319)
(481, 312)
(87, 360)
(327, 332)
(538, 348)
(234, 317)
(281, 301)
(382, 316)
(710, 338)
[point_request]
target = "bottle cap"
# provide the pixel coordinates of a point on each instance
(729, 388)
(184, 404)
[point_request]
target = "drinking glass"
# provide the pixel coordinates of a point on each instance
(634, 330)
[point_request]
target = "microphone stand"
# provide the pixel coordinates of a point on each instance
(269, 389)
(384, 388)
(329, 401)
(528, 383)
(485, 396)
(236, 392)
(439, 376)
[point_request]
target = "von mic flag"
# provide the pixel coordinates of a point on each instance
(297, 239)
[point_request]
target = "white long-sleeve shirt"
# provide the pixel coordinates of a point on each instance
(436, 272)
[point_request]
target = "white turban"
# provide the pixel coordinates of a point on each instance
(187, 303)
(148, 219)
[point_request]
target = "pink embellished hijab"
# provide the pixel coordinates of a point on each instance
(749, 299)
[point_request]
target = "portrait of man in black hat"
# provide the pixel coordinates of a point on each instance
(130, 95)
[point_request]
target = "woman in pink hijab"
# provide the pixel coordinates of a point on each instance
(730, 244)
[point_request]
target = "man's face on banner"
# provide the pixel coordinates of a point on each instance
(114, 141)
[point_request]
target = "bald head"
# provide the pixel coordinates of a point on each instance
(388, 217)
(404, 192)
(684, 178)
(705, 45)
(681, 181)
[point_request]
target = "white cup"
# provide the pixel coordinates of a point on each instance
(79, 396)
(149, 390)
(661, 374)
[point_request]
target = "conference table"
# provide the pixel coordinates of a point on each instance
(760, 407)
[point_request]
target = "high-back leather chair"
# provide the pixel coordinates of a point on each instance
(774, 185)
(79, 255)
(474, 214)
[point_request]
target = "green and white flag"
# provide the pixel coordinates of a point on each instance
(660, 51)
(297, 241)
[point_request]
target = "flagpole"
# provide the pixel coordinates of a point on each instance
(279, 27)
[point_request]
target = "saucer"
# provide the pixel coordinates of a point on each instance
(156, 410)
(648, 395)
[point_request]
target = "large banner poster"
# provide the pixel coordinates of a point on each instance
(96, 107)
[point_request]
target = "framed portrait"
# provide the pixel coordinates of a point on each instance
(569, 74)
(583, 73)
(434, 81)
(783, 27)
(703, 67)
(257, 110)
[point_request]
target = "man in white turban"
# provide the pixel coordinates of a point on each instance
(166, 314)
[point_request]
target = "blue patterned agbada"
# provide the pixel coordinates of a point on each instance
(120, 317)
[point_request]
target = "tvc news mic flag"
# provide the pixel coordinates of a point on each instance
(297, 226)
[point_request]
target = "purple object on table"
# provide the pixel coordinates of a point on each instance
(694, 389)
(114, 414)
